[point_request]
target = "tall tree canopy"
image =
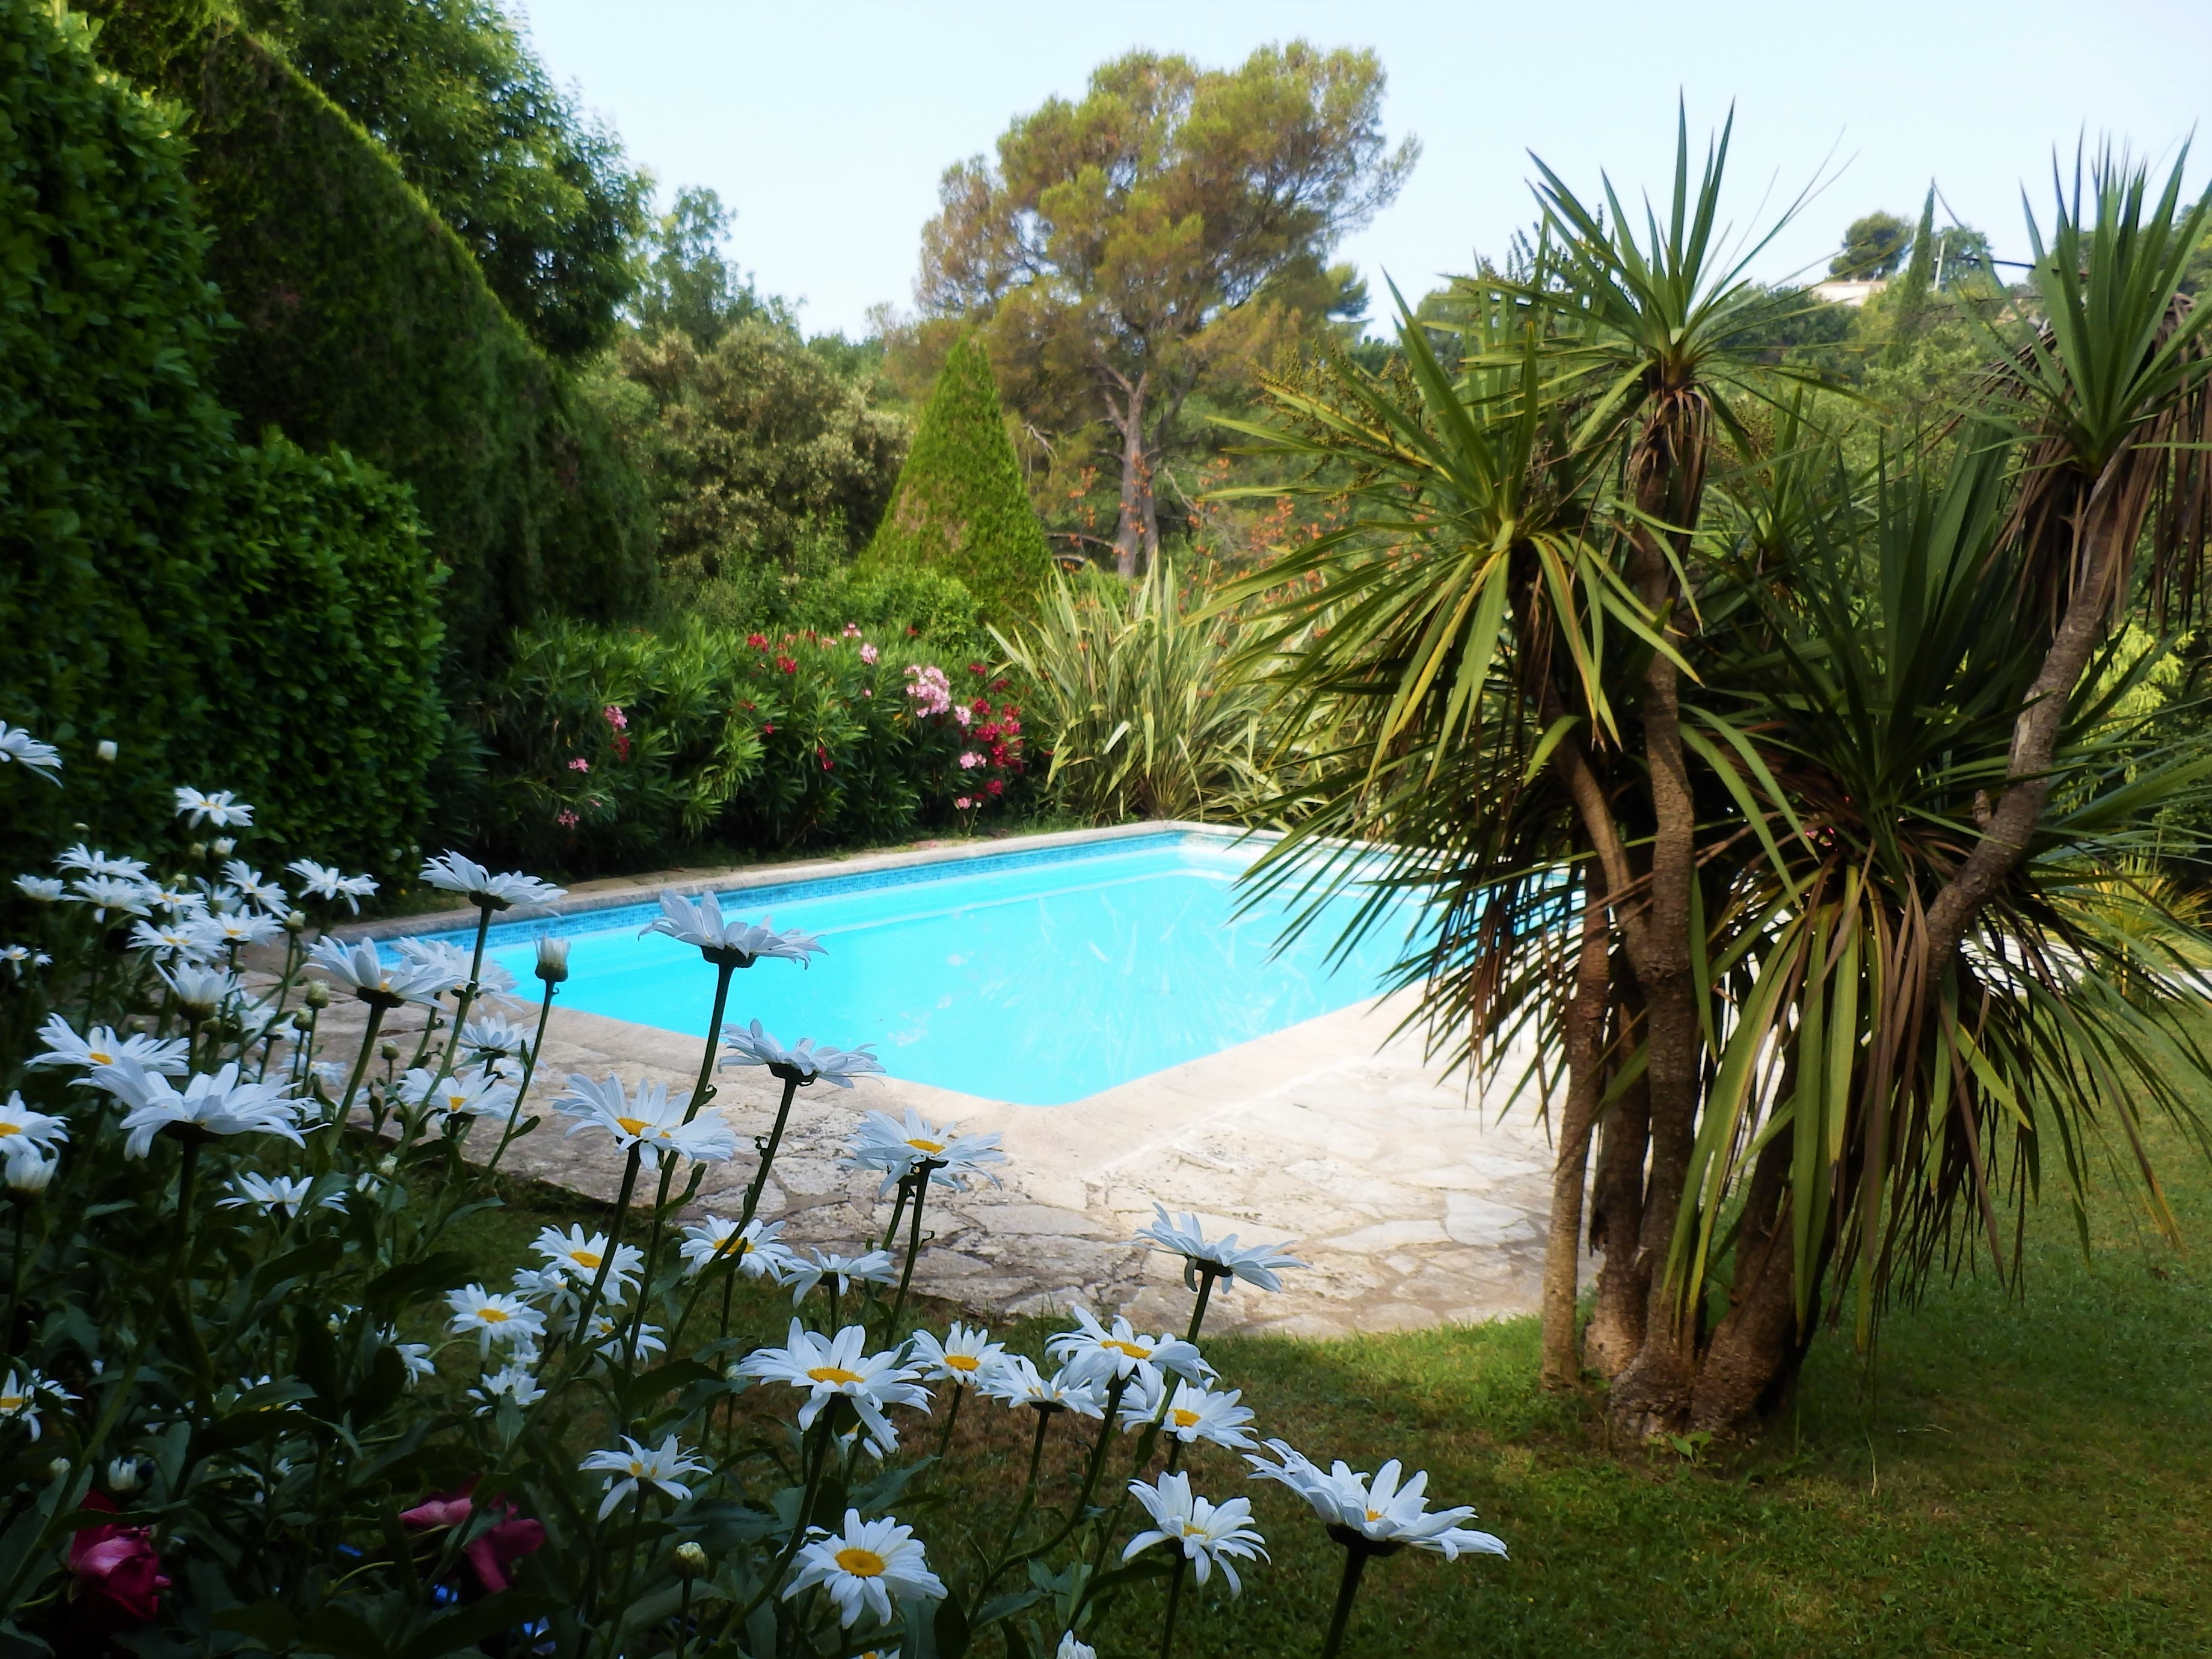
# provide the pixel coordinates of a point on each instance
(542, 195)
(1123, 248)
(1873, 246)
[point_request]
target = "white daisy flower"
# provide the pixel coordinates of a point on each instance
(320, 881)
(18, 747)
(492, 1036)
(173, 899)
(449, 964)
(104, 1047)
(869, 1267)
(39, 890)
(1193, 1412)
(474, 1092)
(864, 1566)
(25, 1132)
(577, 1255)
(1209, 1534)
(1224, 1258)
(883, 1142)
(17, 958)
(509, 1383)
(494, 1317)
(90, 862)
(415, 1359)
(221, 809)
(176, 940)
(1018, 1382)
(648, 1119)
(810, 1062)
(223, 930)
(27, 1173)
(212, 1103)
(1094, 1353)
(699, 921)
(454, 873)
(965, 1357)
(125, 895)
(664, 1465)
(829, 1368)
(358, 967)
(755, 1247)
(19, 1397)
(1384, 1511)
(252, 885)
(1069, 1648)
(557, 1291)
(283, 1193)
(198, 989)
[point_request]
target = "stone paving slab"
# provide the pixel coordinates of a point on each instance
(1415, 1204)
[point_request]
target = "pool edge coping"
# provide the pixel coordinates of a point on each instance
(783, 875)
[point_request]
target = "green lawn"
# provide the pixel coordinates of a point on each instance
(2022, 1476)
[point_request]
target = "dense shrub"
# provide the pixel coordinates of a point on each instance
(613, 747)
(363, 321)
(159, 587)
(960, 506)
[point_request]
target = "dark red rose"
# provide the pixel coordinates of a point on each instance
(117, 1565)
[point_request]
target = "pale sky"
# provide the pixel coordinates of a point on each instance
(826, 124)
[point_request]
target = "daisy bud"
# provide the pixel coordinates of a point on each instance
(199, 849)
(387, 1050)
(122, 1472)
(106, 749)
(317, 994)
(58, 1467)
(387, 1166)
(28, 1176)
(295, 921)
(222, 848)
(690, 1559)
(552, 959)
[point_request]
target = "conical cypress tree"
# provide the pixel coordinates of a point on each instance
(959, 506)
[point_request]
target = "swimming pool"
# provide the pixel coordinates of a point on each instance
(1039, 977)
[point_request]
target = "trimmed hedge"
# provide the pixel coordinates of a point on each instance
(253, 619)
(959, 506)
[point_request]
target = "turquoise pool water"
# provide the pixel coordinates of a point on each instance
(1038, 977)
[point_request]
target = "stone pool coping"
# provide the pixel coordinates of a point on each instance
(1416, 1200)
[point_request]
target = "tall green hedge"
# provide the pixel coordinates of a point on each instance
(959, 506)
(246, 618)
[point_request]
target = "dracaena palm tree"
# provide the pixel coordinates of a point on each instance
(1790, 815)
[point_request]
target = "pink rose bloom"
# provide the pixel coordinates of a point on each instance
(117, 1566)
(491, 1555)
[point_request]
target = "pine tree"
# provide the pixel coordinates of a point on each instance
(959, 506)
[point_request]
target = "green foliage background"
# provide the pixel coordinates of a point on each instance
(960, 506)
(259, 616)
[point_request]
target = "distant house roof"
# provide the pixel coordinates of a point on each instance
(1838, 292)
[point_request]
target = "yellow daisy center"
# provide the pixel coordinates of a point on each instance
(636, 1469)
(1183, 1418)
(861, 1564)
(99, 1057)
(1192, 1530)
(12, 1402)
(1374, 1514)
(10, 1128)
(963, 1362)
(834, 1374)
(586, 1258)
(933, 1147)
(632, 1126)
(493, 1315)
(1132, 1349)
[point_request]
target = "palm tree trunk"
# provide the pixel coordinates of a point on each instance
(1584, 1025)
(1136, 511)
(1755, 1348)
(1624, 1281)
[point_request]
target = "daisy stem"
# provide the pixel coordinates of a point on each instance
(919, 1176)
(1355, 1563)
(467, 994)
(768, 1153)
(360, 1061)
(522, 1093)
(945, 1440)
(825, 1429)
(700, 1094)
(1175, 1605)
(898, 1214)
(1206, 1275)
(581, 1336)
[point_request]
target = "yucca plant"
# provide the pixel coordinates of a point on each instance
(1131, 690)
(1772, 796)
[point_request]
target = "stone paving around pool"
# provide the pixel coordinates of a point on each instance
(1415, 1204)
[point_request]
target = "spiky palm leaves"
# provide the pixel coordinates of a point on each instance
(1538, 612)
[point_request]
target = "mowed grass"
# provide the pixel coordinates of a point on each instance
(2023, 1474)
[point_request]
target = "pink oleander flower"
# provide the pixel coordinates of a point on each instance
(616, 718)
(580, 765)
(868, 655)
(970, 760)
(491, 1554)
(852, 630)
(117, 1566)
(566, 819)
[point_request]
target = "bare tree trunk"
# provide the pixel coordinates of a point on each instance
(1585, 1025)
(1756, 1344)
(1616, 1326)
(1137, 530)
